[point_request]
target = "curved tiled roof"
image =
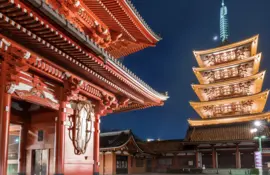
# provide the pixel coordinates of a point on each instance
(75, 32)
(142, 20)
(226, 132)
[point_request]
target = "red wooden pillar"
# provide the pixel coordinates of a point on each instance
(96, 144)
(5, 106)
(104, 162)
(237, 157)
(197, 159)
(60, 140)
(214, 158)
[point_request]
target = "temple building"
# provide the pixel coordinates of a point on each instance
(121, 152)
(59, 74)
(231, 99)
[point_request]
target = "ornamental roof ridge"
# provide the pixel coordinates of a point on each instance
(259, 55)
(81, 36)
(262, 73)
(112, 133)
(254, 38)
(231, 119)
(204, 103)
(137, 14)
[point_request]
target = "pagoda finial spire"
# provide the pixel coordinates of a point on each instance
(224, 25)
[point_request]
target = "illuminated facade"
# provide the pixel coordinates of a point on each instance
(229, 88)
(60, 74)
(231, 99)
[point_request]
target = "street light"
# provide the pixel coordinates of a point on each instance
(257, 123)
(259, 137)
(258, 130)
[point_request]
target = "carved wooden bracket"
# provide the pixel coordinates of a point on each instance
(72, 88)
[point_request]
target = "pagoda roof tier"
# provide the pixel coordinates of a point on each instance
(72, 50)
(232, 70)
(233, 88)
(114, 25)
(223, 132)
(227, 120)
(231, 52)
(231, 107)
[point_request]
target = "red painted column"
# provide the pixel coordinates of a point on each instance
(197, 159)
(237, 157)
(5, 106)
(96, 144)
(4, 131)
(60, 140)
(214, 160)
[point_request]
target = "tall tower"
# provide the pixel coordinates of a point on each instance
(230, 86)
(230, 83)
(224, 23)
(231, 99)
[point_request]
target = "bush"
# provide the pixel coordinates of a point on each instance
(255, 171)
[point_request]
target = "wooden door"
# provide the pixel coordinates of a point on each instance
(40, 162)
(149, 165)
(121, 164)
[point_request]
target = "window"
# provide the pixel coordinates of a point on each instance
(217, 92)
(227, 109)
(234, 72)
(238, 107)
(227, 90)
(236, 88)
(139, 162)
(167, 161)
(217, 75)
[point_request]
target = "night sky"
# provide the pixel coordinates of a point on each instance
(185, 25)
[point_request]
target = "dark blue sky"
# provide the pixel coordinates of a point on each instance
(185, 25)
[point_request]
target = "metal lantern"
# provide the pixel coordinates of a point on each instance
(80, 129)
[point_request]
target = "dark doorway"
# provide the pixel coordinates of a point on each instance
(121, 164)
(247, 160)
(207, 160)
(226, 159)
(40, 162)
(149, 165)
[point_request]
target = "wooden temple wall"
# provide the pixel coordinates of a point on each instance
(107, 164)
(78, 164)
(25, 77)
(134, 169)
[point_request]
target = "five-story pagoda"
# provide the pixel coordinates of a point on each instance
(231, 98)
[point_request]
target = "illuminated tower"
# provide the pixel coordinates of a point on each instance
(224, 24)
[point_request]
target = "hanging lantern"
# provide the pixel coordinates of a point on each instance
(81, 126)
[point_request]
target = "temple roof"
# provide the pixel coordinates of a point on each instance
(253, 41)
(255, 104)
(254, 83)
(255, 60)
(222, 132)
(228, 120)
(67, 45)
(119, 140)
(121, 16)
(115, 25)
(166, 146)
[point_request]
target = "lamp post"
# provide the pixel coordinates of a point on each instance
(258, 130)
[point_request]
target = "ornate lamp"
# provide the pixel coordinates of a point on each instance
(81, 126)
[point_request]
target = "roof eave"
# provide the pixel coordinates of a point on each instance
(64, 23)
